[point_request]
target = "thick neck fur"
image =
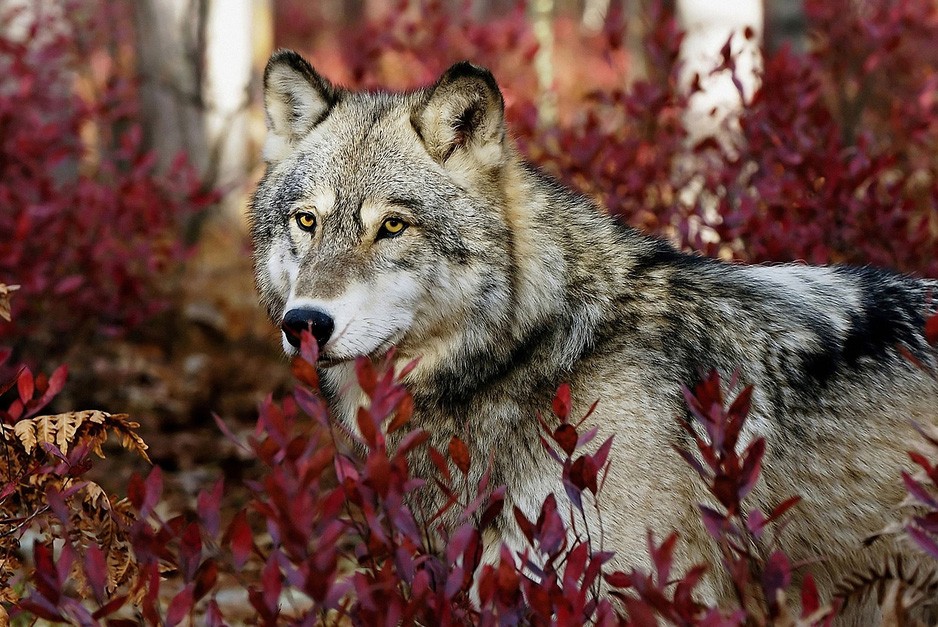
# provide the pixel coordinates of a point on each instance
(553, 304)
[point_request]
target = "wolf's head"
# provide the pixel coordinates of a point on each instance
(379, 220)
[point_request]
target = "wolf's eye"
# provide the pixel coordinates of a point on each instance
(392, 227)
(306, 221)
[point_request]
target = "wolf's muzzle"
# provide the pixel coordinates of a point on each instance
(317, 322)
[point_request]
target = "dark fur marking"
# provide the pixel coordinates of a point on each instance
(889, 316)
(456, 386)
(410, 203)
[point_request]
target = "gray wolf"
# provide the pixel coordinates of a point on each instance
(410, 220)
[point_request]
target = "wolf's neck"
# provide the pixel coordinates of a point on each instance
(564, 257)
(568, 254)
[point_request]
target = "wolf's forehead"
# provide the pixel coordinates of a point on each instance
(357, 155)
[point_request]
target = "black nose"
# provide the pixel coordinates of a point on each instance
(316, 322)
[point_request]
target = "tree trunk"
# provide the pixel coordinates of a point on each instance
(196, 63)
(709, 26)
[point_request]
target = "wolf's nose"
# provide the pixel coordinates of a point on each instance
(313, 320)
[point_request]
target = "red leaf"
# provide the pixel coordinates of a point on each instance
(272, 582)
(810, 601)
(566, 436)
(925, 542)
(583, 473)
(378, 471)
(412, 441)
(24, 384)
(305, 372)
(179, 607)
(153, 489)
(526, 526)
(96, 571)
(367, 378)
(109, 608)
(367, 427)
(663, 555)
(68, 284)
(459, 453)
(56, 381)
(209, 505)
(309, 348)
(494, 507)
(440, 462)
(41, 611)
(918, 491)
(603, 453)
(135, 491)
(713, 521)
(562, 402)
(752, 466)
(405, 410)
(241, 539)
(214, 617)
(190, 551)
(776, 576)
(783, 507)
(575, 566)
(205, 579)
(618, 579)
(755, 522)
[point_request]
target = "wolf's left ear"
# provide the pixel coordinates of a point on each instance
(464, 110)
(296, 98)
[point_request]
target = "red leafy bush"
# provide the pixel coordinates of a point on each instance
(340, 541)
(88, 227)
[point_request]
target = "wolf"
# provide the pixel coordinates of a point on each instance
(410, 220)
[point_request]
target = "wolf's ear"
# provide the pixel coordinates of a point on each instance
(463, 110)
(296, 98)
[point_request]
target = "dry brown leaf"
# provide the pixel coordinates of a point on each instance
(26, 431)
(95, 496)
(45, 429)
(6, 292)
(120, 564)
(64, 430)
(66, 425)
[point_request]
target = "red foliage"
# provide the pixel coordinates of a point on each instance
(88, 226)
(340, 532)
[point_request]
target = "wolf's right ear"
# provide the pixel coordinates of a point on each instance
(462, 113)
(296, 98)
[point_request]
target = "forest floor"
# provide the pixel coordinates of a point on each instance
(214, 352)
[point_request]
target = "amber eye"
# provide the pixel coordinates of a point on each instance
(392, 227)
(306, 221)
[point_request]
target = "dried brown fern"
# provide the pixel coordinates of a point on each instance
(6, 291)
(89, 428)
(50, 453)
(900, 590)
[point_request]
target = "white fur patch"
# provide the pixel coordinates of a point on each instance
(368, 317)
(276, 148)
(282, 269)
(292, 103)
(818, 289)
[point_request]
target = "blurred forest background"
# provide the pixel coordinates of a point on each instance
(130, 133)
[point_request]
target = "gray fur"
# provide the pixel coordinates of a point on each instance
(513, 284)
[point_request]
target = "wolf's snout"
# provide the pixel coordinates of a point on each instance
(317, 322)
